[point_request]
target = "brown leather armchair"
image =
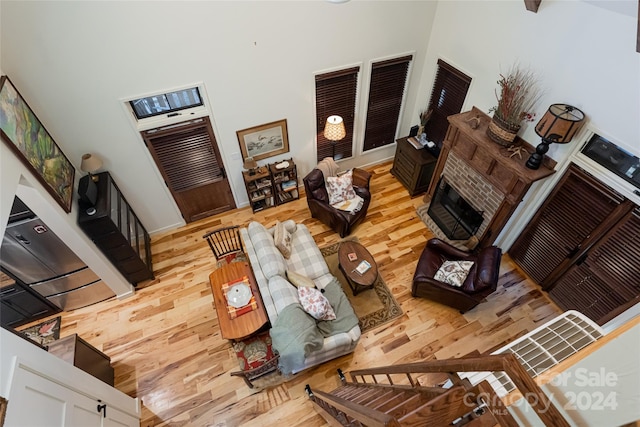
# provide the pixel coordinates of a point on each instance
(318, 200)
(481, 281)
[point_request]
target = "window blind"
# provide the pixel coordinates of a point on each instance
(336, 95)
(386, 92)
(447, 96)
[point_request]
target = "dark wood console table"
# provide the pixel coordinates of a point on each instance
(81, 354)
(413, 167)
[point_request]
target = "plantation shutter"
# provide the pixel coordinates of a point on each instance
(605, 283)
(447, 97)
(571, 213)
(386, 92)
(336, 95)
(185, 154)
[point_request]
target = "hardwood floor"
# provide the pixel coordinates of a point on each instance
(166, 348)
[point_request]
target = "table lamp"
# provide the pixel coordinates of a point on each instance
(250, 164)
(559, 124)
(90, 164)
(334, 131)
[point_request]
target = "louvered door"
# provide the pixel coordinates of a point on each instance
(606, 280)
(189, 160)
(572, 216)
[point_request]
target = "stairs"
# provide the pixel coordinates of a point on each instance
(393, 396)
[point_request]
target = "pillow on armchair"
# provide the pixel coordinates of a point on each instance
(340, 188)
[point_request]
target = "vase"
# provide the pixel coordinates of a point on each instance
(501, 132)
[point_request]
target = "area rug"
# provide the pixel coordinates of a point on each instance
(43, 333)
(373, 307)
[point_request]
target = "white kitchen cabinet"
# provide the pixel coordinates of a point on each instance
(43, 390)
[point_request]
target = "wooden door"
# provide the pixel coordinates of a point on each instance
(189, 160)
(576, 213)
(604, 282)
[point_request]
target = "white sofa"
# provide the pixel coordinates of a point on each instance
(281, 298)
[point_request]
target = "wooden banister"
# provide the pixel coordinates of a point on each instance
(365, 415)
(533, 394)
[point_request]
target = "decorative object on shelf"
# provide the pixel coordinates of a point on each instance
(29, 140)
(250, 164)
(424, 117)
(334, 131)
(91, 164)
(474, 122)
(518, 95)
(559, 124)
(261, 142)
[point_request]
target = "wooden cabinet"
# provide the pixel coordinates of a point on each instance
(413, 167)
(259, 188)
(285, 181)
(116, 230)
(81, 354)
(19, 305)
(582, 247)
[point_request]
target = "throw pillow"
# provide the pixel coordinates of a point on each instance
(300, 281)
(340, 188)
(314, 303)
(453, 273)
(282, 239)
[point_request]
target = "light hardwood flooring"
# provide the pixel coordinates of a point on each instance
(166, 348)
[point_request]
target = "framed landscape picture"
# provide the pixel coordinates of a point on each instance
(261, 142)
(21, 130)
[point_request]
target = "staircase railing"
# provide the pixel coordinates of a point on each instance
(532, 393)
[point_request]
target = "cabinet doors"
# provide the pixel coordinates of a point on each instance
(35, 400)
(583, 247)
(604, 282)
(571, 214)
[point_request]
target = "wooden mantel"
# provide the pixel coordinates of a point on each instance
(506, 173)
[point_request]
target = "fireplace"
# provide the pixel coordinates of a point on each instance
(491, 178)
(455, 217)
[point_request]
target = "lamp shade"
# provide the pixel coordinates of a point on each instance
(334, 128)
(560, 123)
(249, 163)
(90, 163)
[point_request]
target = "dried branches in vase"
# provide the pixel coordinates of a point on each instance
(517, 96)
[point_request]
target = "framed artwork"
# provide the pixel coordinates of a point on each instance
(21, 130)
(264, 141)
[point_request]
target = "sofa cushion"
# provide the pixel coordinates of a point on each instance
(453, 273)
(306, 258)
(282, 292)
(299, 280)
(315, 303)
(282, 239)
(271, 260)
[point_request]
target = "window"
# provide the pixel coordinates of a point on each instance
(166, 103)
(336, 95)
(386, 93)
(448, 94)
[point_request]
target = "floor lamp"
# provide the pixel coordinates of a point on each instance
(559, 124)
(334, 131)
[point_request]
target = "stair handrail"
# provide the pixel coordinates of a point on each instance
(370, 417)
(533, 394)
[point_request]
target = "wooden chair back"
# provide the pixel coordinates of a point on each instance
(224, 241)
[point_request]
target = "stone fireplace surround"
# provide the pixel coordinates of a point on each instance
(484, 174)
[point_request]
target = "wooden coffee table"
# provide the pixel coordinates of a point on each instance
(245, 324)
(358, 282)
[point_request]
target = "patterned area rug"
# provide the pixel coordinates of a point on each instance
(373, 307)
(44, 333)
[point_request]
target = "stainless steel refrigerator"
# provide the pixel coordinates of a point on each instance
(37, 257)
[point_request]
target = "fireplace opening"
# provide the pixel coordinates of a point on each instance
(457, 219)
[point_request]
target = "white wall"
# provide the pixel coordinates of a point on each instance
(74, 61)
(583, 53)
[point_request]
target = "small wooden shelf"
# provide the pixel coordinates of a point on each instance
(259, 188)
(281, 177)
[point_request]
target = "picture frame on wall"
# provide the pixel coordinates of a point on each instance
(27, 137)
(261, 142)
